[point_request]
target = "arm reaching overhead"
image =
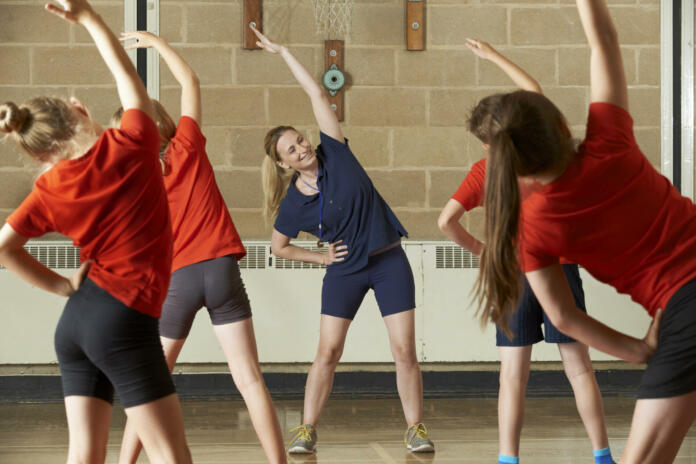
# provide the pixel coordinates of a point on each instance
(325, 116)
(448, 222)
(131, 90)
(518, 75)
(607, 78)
(183, 73)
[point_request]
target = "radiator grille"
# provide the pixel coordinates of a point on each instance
(54, 255)
(454, 257)
(282, 263)
(255, 257)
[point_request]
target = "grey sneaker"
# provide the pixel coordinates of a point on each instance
(305, 441)
(416, 439)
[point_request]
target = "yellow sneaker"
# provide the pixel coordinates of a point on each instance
(416, 439)
(305, 441)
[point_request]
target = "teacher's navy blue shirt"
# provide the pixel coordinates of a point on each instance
(353, 209)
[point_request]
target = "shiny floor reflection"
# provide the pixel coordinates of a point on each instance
(351, 432)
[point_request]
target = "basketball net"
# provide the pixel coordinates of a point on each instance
(332, 17)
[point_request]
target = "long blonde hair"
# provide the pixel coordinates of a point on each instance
(275, 179)
(42, 127)
(527, 134)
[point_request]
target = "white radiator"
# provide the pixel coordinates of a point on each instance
(285, 299)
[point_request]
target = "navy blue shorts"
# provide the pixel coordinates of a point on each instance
(525, 323)
(387, 273)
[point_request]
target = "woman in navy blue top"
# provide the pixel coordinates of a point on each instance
(327, 193)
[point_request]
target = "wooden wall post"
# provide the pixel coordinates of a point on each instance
(415, 24)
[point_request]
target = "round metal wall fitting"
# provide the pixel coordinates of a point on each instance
(333, 80)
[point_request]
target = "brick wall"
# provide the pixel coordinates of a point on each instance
(404, 110)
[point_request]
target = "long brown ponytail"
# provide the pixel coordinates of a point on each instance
(275, 179)
(527, 135)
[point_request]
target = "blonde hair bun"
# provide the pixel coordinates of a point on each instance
(13, 118)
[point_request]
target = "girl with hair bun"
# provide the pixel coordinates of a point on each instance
(104, 190)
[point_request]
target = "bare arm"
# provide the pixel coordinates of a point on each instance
(518, 75)
(607, 78)
(131, 90)
(324, 115)
(280, 246)
(449, 224)
(183, 73)
(551, 289)
(16, 259)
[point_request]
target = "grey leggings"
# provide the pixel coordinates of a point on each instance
(215, 284)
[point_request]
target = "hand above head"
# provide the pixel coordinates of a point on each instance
(480, 48)
(74, 11)
(335, 253)
(142, 39)
(266, 44)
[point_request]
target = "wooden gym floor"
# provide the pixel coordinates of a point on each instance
(351, 432)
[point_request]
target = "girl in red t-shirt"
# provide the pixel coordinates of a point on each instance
(206, 249)
(99, 190)
(605, 207)
(525, 325)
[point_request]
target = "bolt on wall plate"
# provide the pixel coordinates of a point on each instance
(252, 17)
(415, 25)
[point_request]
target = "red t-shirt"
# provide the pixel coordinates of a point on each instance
(613, 213)
(111, 202)
(201, 222)
(471, 192)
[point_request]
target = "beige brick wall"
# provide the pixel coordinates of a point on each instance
(404, 110)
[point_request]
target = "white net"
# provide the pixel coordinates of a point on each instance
(332, 17)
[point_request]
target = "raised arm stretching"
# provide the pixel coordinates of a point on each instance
(324, 115)
(131, 90)
(518, 75)
(607, 78)
(183, 73)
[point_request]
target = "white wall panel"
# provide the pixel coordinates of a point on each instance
(286, 305)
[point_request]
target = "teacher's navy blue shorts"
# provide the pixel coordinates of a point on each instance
(388, 274)
(526, 321)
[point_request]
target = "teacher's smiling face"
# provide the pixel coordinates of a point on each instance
(295, 152)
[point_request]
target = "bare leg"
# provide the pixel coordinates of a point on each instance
(588, 399)
(514, 375)
(332, 338)
(88, 426)
(658, 429)
(239, 344)
(409, 381)
(130, 445)
(160, 426)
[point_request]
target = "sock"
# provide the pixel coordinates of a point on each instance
(603, 456)
(508, 459)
